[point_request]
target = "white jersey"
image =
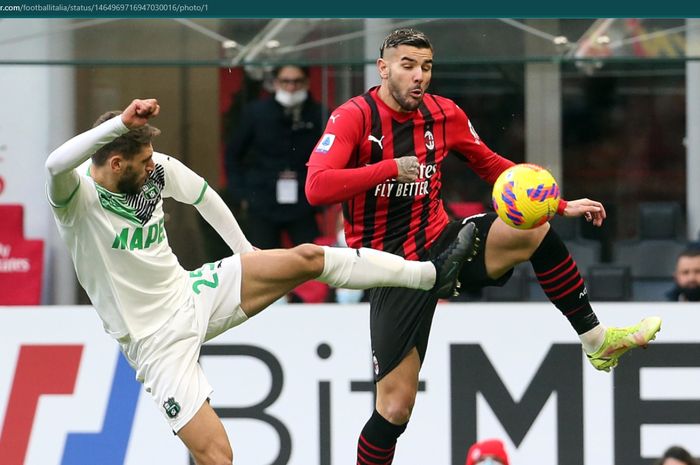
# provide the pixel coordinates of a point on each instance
(120, 249)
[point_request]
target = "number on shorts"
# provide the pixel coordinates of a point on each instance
(212, 283)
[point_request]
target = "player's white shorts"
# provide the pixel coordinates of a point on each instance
(166, 362)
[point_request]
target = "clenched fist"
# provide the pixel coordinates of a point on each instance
(408, 168)
(139, 112)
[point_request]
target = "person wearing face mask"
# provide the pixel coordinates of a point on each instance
(687, 276)
(487, 452)
(266, 161)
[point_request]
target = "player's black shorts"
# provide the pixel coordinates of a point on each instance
(400, 319)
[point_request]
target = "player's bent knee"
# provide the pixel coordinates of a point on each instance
(213, 453)
(396, 412)
(398, 407)
(537, 235)
(523, 240)
(213, 459)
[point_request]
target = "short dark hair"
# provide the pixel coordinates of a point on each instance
(678, 453)
(127, 145)
(692, 250)
(405, 36)
(278, 69)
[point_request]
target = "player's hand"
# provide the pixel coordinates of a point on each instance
(139, 112)
(590, 209)
(408, 168)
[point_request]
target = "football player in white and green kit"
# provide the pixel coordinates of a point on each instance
(106, 187)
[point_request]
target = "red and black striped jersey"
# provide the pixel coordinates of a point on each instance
(353, 163)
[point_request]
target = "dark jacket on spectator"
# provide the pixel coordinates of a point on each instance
(269, 139)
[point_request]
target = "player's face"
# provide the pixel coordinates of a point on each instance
(137, 171)
(407, 74)
(688, 272)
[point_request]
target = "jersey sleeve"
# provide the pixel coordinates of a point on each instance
(181, 183)
(330, 179)
(463, 139)
(67, 164)
(80, 199)
(217, 214)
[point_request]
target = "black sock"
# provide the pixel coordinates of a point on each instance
(558, 275)
(378, 441)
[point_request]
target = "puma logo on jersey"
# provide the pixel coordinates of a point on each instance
(333, 118)
(371, 138)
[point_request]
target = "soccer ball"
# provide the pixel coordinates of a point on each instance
(525, 196)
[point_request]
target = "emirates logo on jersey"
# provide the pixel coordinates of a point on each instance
(429, 140)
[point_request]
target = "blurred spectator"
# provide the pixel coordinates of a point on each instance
(266, 161)
(687, 276)
(676, 455)
(487, 452)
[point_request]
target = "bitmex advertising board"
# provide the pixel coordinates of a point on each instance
(293, 386)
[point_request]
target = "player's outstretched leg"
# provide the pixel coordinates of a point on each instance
(561, 281)
(449, 263)
(366, 268)
(269, 274)
(620, 340)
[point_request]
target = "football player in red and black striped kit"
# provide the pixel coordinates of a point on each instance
(380, 156)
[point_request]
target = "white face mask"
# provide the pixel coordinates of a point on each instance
(290, 99)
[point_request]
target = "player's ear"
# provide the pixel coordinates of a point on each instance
(383, 68)
(116, 162)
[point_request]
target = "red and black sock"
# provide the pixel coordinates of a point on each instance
(560, 279)
(378, 441)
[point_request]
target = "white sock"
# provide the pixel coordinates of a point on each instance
(366, 268)
(593, 339)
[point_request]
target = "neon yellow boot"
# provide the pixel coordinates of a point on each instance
(620, 340)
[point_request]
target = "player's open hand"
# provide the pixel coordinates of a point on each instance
(139, 112)
(590, 209)
(408, 168)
